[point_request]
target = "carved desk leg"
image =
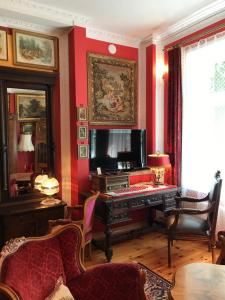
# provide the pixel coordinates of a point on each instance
(108, 249)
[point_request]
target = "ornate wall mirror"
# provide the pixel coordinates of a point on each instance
(27, 139)
(26, 143)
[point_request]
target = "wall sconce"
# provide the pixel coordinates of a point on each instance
(161, 69)
(50, 187)
(25, 143)
(157, 163)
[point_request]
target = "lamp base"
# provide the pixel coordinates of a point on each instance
(50, 201)
(158, 183)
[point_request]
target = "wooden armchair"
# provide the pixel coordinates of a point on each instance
(86, 213)
(31, 267)
(187, 223)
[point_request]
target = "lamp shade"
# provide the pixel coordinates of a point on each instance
(159, 160)
(25, 143)
(50, 186)
(38, 181)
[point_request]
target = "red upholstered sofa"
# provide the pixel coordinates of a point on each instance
(30, 267)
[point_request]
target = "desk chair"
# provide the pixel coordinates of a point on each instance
(86, 222)
(187, 223)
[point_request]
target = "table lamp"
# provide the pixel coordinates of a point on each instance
(50, 187)
(38, 181)
(157, 163)
(25, 143)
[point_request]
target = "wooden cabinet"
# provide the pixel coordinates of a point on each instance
(27, 219)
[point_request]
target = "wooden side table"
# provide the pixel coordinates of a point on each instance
(199, 281)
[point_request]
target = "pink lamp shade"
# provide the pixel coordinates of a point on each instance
(159, 160)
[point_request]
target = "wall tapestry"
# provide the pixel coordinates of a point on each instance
(35, 50)
(111, 90)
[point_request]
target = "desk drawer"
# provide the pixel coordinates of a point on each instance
(121, 217)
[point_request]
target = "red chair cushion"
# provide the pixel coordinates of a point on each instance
(108, 281)
(34, 270)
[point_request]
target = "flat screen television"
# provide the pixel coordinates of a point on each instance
(117, 149)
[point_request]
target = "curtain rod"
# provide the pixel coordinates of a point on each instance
(196, 37)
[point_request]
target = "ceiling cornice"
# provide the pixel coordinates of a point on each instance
(50, 14)
(32, 16)
(196, 19)
(111, 37)
(151, 39)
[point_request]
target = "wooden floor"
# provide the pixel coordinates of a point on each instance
(151, 250)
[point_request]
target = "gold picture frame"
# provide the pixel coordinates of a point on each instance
(82, 114)
(82, 151)
(35, 50)
(27, 127)
(111, 90)
(3, 45)
(82, 131)
(30, 107)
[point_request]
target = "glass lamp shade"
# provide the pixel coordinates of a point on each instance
(38, 181)
(50, 186)
(25, 143)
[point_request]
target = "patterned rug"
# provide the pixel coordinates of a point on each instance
(156, 287)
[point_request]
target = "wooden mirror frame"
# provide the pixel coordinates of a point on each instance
(23, 79)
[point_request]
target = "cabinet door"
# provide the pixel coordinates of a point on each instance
(42, 218)
(19, 225)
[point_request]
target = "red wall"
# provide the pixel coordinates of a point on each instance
(151, 98)
(79, 46)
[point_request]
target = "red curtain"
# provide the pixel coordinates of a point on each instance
(174, 133)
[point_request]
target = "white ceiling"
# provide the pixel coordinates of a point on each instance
(131, 19)
(136, 18)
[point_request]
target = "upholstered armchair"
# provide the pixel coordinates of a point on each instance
(84, 215)
(31, 267)
(187, 224)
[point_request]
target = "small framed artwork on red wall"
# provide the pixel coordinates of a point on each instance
(82, 151)
(82, 114)
(82, 132)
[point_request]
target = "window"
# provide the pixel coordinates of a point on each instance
(203, 138)
(203, 112)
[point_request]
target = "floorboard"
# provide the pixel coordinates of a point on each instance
(151, 250)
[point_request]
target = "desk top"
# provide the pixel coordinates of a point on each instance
(138, 190)
(199, 281)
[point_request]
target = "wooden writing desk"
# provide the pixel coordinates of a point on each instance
(199, 281)
(117, 209)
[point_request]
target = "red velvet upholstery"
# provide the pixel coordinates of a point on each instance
(30, 269)
(109, 281)
(33, 271)
(69, 243)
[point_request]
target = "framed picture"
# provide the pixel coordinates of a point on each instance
(35, 50)
(3, 45)
(30, 107)
(26, 127)
(82, 151)
(111, 90)
(82, 114)
(82, 132)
